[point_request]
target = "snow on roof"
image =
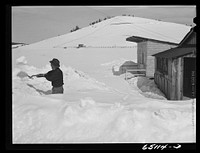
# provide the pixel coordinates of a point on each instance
(182, 49)
(142, 39)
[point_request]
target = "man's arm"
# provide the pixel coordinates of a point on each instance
(49, 76)
(37, 75)
(40, 75)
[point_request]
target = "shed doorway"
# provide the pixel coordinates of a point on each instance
(189, 77)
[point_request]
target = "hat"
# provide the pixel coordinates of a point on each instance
(55, 62)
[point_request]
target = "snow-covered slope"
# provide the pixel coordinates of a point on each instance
(16, 45)
(114, 31)
(96, 106)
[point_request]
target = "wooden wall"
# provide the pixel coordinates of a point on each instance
(150, 66)
(191, 40)
(172, 83)
(164, 83)
(154, 47)
(141, 54)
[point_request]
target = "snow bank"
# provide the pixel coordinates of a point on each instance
(73, 79)
(146, 87)
(78, 80)
(17, 46)
(117, 63)
(42, 118)
(21, 60)
(45, 120)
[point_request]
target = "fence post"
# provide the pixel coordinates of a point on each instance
(125, 74)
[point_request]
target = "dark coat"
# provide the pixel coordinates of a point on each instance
(55, 76)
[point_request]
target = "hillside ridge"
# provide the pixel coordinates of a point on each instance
(114, 31)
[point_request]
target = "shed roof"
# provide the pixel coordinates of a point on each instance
(176, 52)
(138, 39)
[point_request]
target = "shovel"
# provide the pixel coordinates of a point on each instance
(31, 77)
(23, 74)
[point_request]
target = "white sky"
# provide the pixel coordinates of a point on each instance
(35, 23)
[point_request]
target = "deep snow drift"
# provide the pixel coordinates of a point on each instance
(96, 106)
(91, 111)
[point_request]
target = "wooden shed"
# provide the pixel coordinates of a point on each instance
(175, 69)
(146, 47)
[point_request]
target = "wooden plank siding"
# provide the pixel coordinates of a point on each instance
(141, 54)
(171, 83)
(179, 79)
(167, 83)
(169, 78)
(154, 47)
(192, 40)
(164, 83)
(166, 87)
(189, 39)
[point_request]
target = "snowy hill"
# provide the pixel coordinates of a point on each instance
(16, 45)
(97, 106)
(114, 31)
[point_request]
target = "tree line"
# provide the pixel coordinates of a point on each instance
(97, 21)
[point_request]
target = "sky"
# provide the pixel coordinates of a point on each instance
(32, 24)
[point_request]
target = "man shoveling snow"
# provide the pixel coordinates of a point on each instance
(55, 76)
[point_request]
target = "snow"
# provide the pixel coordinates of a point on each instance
(96, 106)
(21, 60)
(17, 45)
(116, 30)
(147, 87)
